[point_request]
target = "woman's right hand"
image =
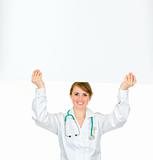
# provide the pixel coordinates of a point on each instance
(37, 79)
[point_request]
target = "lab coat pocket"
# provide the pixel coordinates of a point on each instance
(94, 139)
(72, 142)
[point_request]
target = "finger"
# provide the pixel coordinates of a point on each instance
(35, 75)
(126, 78)
(129, 77)
(134, 80)
(39, 76)
(35, 72)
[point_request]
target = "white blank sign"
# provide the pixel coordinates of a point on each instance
(71, 40)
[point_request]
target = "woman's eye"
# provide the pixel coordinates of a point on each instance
(84, 94)
(76, 94)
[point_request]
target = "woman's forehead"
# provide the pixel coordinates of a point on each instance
(78, 89)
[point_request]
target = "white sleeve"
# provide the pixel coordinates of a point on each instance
(40, 114)
(119, 115)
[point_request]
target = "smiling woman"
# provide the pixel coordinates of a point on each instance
(80, 94)
(79, 129)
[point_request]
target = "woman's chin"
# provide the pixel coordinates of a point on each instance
(80, 107)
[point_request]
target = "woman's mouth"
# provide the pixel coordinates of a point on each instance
(80, 103)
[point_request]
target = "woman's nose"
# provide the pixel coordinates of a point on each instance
(80, 97)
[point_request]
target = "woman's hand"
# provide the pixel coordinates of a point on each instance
(128, 82)
(37, 79)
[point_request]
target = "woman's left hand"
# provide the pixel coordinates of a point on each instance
(128, 82)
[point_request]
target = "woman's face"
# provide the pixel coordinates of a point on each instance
(80, 98)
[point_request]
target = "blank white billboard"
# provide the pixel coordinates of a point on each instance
(71, 40)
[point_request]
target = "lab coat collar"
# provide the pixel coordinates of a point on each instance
(89, 112)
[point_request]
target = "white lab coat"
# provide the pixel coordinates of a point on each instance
(80, 147)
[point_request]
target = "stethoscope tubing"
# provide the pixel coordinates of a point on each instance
(65, 121)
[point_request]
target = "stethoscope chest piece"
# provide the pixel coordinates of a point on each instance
(91, 137)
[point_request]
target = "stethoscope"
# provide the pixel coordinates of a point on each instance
(77, 133)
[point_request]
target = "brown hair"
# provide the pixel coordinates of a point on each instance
(85, 86)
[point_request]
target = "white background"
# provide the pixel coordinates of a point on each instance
(97, 41)
(22, 139)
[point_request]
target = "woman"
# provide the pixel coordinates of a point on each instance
(79, 130)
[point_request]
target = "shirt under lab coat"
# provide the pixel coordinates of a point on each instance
(80, 147)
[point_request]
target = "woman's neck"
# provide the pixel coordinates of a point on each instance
(79, 113)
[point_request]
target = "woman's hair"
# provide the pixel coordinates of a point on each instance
(85, 86)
